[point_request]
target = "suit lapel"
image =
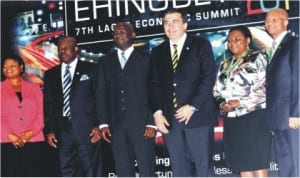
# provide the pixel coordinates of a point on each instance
(284, 40)
(57, 78)
(114, 67)
(167, 56)
(275, 56)
(77, 74)
(185, 51)
(115, 61)
(132, 59)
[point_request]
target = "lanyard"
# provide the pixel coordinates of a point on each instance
(232, 64)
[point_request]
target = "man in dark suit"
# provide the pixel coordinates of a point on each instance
(282, 87)
(70, 112)
(122, 97)
(183, 72)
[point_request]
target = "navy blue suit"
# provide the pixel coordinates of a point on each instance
(78, 156)
(122, 99)
(192, 82)
(282, 86)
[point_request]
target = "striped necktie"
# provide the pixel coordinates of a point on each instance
(66, 92)
(175, 57)
(174, 64)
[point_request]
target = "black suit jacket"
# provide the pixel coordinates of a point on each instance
(122, 95)
(192, 82)
(82, 101)
(282, 84)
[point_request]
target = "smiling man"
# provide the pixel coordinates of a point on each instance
(182, 78)
(282, 86)
(72, 126)
(126, 120)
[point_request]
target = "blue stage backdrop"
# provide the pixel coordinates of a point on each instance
(32, 28)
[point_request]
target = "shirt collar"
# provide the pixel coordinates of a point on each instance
(72, 64)
(180, 44)
(180, 41)
(127, 52)
(72, 67)
(280, 38)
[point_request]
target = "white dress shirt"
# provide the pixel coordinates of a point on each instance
(127, 53)
(72, 69)
(179, 44)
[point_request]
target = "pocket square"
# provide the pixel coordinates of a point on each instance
(84, 77)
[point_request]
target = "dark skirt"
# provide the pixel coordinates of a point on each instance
(28, 161)
(247, 142)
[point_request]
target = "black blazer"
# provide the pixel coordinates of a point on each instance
(282, 84)
(122, 95)
(82, 101)
(193, 80)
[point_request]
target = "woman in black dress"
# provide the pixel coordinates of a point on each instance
(241, 97)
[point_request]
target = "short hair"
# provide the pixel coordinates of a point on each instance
(128, 25)
(74, 40)
(16, 58)
(244, 30)
(281, 12)
(171, 11)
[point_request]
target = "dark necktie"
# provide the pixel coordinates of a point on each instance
(174, 64)
(66, 92)
(175, 57)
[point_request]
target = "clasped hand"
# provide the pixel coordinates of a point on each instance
(230, 105)
(183, 114)
(19, 141)
(96, 135)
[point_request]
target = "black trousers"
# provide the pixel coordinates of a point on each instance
(129, 144)
(287, 152)
(189, 150)
(28, 161)
(78, 159)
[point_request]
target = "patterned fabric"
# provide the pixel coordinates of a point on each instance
(174, 64)
(66, 91)
(175, 57)
(243, 80)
